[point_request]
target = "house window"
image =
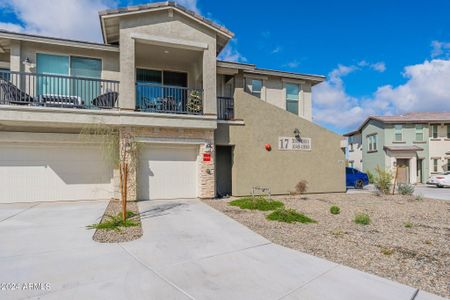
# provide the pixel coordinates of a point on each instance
(434, 131)
(398, 133)
(372, 143)
(448, 131)
(435, 164)
(448, 164)
(292, 97)
(256, 87)
(352, 164)
(419, 132)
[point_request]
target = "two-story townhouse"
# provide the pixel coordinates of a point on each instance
(353, 150)
(204, 127)
(413, 146)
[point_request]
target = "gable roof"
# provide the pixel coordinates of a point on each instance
(413, 117)
(155, 6)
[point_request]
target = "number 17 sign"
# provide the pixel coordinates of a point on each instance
(294, 144)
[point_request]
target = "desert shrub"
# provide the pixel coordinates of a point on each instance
(370, 175)
(387, 251)
(301, 187)
(408, 225)
(258, 203)
(405, 189)
(289, 216)
(383, 180)
(419, 197)
(115, 222)
(362, 219)
(335, 210)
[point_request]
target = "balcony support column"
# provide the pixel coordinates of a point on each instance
(209, 81)
(127, 73)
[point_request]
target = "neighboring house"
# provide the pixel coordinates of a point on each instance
(354, 150)
(205, 126)
(413, 146)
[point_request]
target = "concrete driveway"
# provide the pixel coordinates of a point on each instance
(188, 251)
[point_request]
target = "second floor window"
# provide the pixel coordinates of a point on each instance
(398, 133)
(372, 143)
(292, 97)
(256, 87)
(419, 132)
(434, 131)
(448, 131)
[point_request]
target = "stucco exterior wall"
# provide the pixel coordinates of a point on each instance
(354, 153)
(274, 92)
(439, 149)
(323, 166)
(173, 26)
(375, 158)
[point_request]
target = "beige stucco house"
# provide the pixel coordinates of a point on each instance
(205, 127)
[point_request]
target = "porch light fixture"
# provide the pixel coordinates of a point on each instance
(208, 148)
(27, 62)
(297, 134)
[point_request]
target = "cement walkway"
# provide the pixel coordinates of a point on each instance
(188, 251)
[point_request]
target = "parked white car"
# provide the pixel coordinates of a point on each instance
(440, 180)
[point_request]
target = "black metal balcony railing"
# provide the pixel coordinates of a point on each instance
(19, 88)
(225, 108)
(158, 98)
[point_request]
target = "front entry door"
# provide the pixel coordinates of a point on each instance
(403, 170)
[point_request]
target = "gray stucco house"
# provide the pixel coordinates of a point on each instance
(207, 127)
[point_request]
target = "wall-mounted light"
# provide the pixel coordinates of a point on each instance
(208, 148)
(297, 134)
(27, 63)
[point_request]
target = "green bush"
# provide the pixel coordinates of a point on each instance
(258, 203)
(405, 189)
(362, 219)
(335, 210)
(370, 175)
(115, 222)
(383, 180)
(419, 197)
(408, 225)
(289, 216)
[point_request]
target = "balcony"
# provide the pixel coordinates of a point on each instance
(225, 108)
(159, 98)
(43, 90)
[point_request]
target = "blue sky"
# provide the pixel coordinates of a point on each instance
(381, 57)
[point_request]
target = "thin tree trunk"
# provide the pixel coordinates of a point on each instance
(125, 192)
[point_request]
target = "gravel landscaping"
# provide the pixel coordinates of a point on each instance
(123, 234)
(407, 240)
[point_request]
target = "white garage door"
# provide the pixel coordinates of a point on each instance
(167, 172)
(30, 172)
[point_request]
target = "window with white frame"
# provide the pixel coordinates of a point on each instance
(419, 132)
(434, 131)
(292, 97)
(435, 164)
(372, 143)
(398, 132)
(255, 87)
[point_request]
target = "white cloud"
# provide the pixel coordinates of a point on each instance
(63, 18)
(440, 49)
(292, 64)
(379, 67)
(425, 89)
(189, 4)
(230, 53)
(277, 49)
(74, 19)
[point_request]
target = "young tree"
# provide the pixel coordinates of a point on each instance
(118, 148)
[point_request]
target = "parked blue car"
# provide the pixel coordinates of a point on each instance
(355, 178)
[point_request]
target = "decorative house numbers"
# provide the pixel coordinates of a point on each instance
(294, 144)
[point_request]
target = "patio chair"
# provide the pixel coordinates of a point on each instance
(11, 94)
(107, 100)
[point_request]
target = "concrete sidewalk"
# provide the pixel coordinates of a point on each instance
(188, 251)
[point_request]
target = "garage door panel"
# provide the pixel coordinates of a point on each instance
(53, 172)
(167, 172)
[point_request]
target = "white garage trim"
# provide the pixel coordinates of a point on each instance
(43, 138)
(185, 141)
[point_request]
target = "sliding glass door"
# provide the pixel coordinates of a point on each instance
(47, 64)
